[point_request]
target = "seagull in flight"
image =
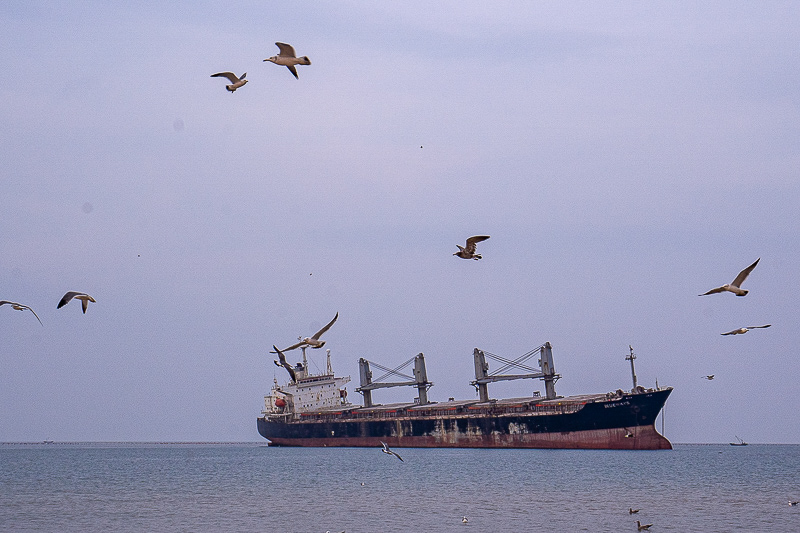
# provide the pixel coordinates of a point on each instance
(468, 252)
(739, 331)
(236, 82)
(793, 503)
(464, 520)
(709, 377)
(288, 58)
(735, 285)
(312, 341)
(20, 307)
(631, 510)
(85, 299)
(390, 452)
(643, 527)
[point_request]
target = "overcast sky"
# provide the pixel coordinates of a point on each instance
(624, 157)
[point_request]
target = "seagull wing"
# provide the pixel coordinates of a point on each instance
(293, 70)
(744, 273)
(34, 313)
(67, 297)
(734, 332)
(713, 291)
(293, 346)
(230, 75)
(286, 50)
(318, 334)
(396, 455)
(751, 327)
(473, 241)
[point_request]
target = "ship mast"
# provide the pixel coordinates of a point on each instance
(630, 358)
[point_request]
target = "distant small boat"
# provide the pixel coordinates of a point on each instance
(740, 443)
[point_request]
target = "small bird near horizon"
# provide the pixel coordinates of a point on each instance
(736, 284)
(21, 307)
(236, 82)
(464, 520)
(312, 341)
(739, 331)
(709, 377)
(643, 527)
(390, 452)
(468, 251)
(631, 510)
(82, 296)
(288, 58)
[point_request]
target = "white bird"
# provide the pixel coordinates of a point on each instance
(288, 58)
(235, 82)
(735, 285)
(643, 527)
(739, 331)
(468, 252)
(464, 520)
(390, 452)
(85, 299)
(20, 307)
(312, 341)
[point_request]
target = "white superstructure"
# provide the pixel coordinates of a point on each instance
(307, 392)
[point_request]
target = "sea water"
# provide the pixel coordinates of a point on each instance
(88, 487)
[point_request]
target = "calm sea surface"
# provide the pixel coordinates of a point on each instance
(250, 487)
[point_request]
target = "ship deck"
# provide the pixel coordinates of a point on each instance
(457, 408)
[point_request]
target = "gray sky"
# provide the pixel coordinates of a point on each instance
(624, 157)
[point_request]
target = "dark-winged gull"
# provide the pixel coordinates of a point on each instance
(464, 520)
(735, 285)
(236, 82)
(312, 341)
(468, 252)
(793, 503)
(288, 58)
(739, 331)
(283, 363)
(631, 510)
(643, 527)
(21, 307)
(390, 452)
(82, 296)
(709, 377)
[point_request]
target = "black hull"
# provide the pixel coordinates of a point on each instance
(626, 422)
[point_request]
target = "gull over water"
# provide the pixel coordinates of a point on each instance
(236, 81)
(21, 307)
(736, 285)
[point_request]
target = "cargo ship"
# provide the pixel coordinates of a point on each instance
(313, 410)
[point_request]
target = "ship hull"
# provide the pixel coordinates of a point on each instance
(624, 423)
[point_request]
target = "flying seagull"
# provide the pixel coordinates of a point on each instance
(643, 527)
(739, 331)
(735, 285)
(390, 452)
(793, 503)
(235, 82)
(468, 252)
(288, 58)
(283, 363)
(20, 307)
(631, 510)
(312, 341)
(464, 520)
(85, 299)
(709, 377)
